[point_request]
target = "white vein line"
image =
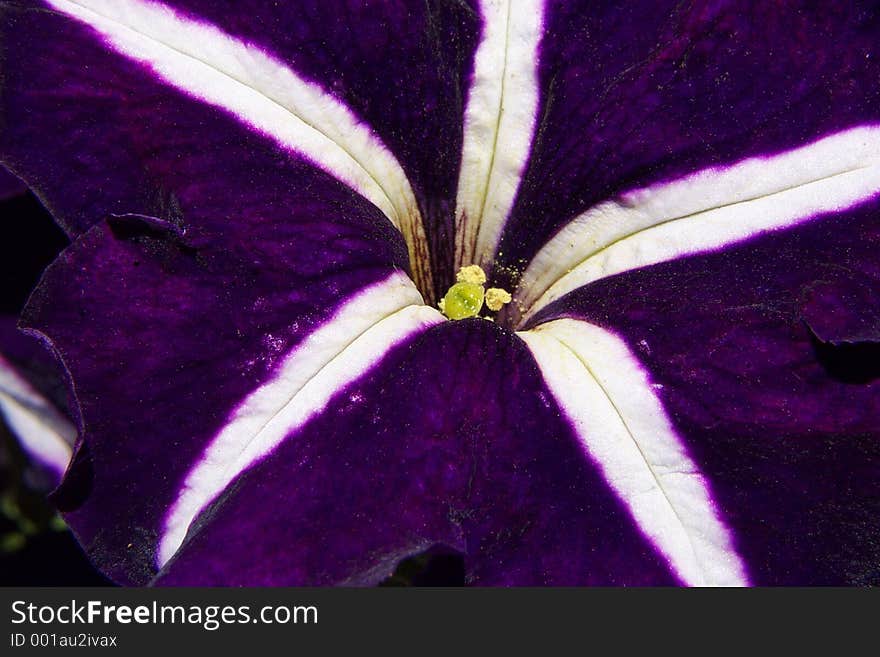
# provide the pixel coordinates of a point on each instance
(263, 93)
(608, 398)
(704, 211)
(499, 125)
(44, 433)
(357, 337)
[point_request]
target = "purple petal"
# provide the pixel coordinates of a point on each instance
(290, 85)
(784, 428)
(265, 399)
(637, 95)
(452, 440)
(706, 210)
(613, 407)
(168, 322)
(62, 130)
(404, 67)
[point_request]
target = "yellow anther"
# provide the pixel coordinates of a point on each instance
(496, 298)
(472, 274)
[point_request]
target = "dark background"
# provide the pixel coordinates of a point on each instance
(35, 546)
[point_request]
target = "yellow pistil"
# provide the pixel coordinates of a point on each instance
(465, 298)
(462, 301)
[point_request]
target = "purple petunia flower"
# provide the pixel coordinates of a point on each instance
(586, 292)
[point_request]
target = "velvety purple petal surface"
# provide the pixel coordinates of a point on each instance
(88, 128)
(452, 440)
(210, 254)
(404, 67)
(847, 311)
(74, 132)
(635, 94)
(766, 359)
(164, 338)
(202, 253)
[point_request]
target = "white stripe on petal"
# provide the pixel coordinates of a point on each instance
(607, 397)
(704, 211)
(499, 123)
(262, 92)
(334, 355)
(44, 433)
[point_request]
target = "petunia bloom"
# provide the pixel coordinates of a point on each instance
(268, 201)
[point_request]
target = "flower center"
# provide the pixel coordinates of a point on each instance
(468, 295)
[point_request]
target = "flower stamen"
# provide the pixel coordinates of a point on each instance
(465, 298)
(472, 274)
(497, 298)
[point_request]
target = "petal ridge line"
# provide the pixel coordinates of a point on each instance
(500, 119)
(596, 380)
(267, 95)
(335, 354)
(692, 214)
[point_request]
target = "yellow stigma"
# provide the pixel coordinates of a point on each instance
(496, 298)
(462, 301)
(465, 298)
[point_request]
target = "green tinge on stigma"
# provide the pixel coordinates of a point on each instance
(463, 300)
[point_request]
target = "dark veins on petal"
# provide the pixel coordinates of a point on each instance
(404, 67)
